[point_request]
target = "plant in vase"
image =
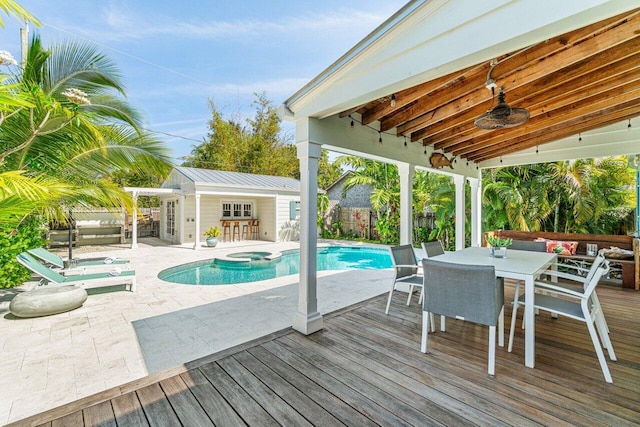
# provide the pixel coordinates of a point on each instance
(212, 235)
(498, 246)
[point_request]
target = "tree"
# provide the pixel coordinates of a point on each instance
(78, 129)
(11, 7)
(254, 147)
(65, 129)
(574, 196)
(516, 197)
(384, 180)
(328, 172)
(437, 192)
(586, 190)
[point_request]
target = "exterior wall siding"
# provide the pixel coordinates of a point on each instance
(356, 197)
(266, 215)
(283, 211)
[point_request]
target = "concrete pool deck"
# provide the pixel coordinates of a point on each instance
(119, 336)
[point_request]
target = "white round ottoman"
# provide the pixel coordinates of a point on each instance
(47, 300)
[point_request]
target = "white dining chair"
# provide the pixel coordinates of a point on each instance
(576, 304)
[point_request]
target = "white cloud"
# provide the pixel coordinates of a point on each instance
(122, 23)
(275, 88)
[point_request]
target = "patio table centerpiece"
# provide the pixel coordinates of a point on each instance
(498, 246)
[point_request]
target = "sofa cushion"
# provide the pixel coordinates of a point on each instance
(560, 247)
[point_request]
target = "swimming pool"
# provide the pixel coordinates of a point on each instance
(220, 272)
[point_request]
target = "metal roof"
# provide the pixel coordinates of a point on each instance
(238, 179)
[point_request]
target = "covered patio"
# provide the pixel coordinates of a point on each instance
(414, 87)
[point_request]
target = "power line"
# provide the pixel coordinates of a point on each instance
(199, 141)
(148, 63)
(137, 58)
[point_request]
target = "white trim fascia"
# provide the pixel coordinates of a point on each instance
(147, 191)
(437, 39)
(233, 187)
(235, 194)
(355, 51)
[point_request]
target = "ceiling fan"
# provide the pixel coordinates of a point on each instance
(502, 115)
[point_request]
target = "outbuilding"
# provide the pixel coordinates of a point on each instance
(192, 200)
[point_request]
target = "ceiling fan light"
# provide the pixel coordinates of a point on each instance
(502, 116)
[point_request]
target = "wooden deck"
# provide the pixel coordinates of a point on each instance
(366, 368)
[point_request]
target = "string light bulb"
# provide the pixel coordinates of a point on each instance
(380, 137)
(579, 137)
(405, 140)
(393, 100)
(352, 123)
(629, 125)
(425, 150)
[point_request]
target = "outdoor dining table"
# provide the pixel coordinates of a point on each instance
(519, 265)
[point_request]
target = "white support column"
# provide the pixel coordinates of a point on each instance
(406, 172)
(196, 244)
(460, 211)
(182, 218)
(308, 320)
(134, 222)
(476, 212)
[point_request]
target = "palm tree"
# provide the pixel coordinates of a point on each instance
(78, 128)
(585, 190)
(64, 131)
(579, 196)
(10, 7)
(384, 181)
(516, 197)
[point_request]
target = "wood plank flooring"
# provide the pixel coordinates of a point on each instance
(366, 369)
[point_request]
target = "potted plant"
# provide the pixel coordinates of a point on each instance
(212, 235)
(498, 246)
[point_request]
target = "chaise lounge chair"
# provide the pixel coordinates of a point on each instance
(116, 276)
(93, 263)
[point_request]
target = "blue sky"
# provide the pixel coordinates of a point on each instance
(175, 56)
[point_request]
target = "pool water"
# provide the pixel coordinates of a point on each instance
(210, 272)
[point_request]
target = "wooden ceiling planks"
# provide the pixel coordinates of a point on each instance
(572, 83)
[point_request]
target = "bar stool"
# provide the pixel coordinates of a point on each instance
(255, 230)
(246, 230)
(236, 230)
(226, 230)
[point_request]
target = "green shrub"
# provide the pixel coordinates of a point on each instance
(388, 230)
(29, 235)
(420, 234)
